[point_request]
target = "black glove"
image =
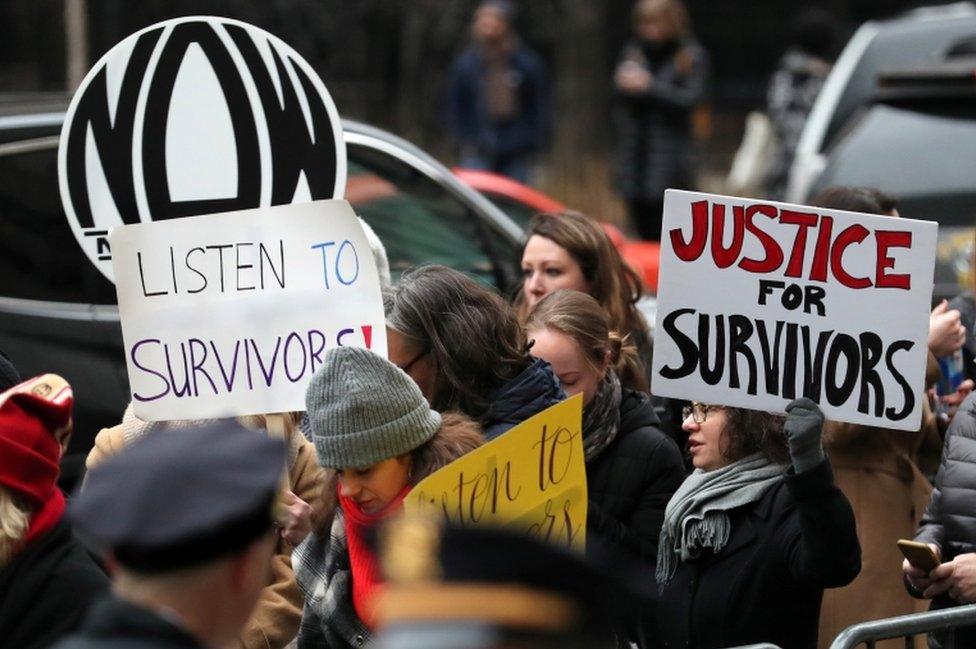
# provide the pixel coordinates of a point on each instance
(804, 426)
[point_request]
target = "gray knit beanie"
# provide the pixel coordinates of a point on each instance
(363, 409)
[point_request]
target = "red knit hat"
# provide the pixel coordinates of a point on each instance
(35, 419)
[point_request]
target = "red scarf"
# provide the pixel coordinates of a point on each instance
(367, 579)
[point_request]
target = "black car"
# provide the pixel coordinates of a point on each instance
(58, 313)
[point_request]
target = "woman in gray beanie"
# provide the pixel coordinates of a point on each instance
(377, 435)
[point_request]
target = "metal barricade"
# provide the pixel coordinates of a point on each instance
(907, 627)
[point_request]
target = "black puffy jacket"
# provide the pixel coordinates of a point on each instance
(46, 590)
(631, 482)
(950, 519)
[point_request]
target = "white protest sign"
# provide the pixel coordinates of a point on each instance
(761, 302)
(193, 116)
(232, 313)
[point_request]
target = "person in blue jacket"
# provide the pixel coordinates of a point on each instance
(497, 97)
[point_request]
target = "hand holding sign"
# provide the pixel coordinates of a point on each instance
(804, 431)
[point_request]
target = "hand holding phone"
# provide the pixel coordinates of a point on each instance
(920, 555)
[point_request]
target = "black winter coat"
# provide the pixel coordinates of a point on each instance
(950, 519)
(767, 583)
(654, 128)
(631, 482)
(46, 590)
(115, 624)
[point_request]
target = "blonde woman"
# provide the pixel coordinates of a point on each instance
(47, 580)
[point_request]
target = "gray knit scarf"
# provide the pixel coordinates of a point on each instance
(601, 417)
(696, 517)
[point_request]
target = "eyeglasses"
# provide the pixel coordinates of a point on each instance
(697, 411)
(413, 361)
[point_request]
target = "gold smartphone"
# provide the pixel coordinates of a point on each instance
(920, 555)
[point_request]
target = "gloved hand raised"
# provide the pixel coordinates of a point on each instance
(804, 426)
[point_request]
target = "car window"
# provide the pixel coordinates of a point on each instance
(518, 211)
(418, 221)
(39, 256)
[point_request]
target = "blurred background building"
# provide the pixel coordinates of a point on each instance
(386, 62)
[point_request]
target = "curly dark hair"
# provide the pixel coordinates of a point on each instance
(754, 431)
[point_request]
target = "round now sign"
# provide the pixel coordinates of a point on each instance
(195, 116)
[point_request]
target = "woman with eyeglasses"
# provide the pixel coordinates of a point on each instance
(462, 345)
(754, 535)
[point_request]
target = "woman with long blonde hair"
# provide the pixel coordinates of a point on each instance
(632, 468)
(47, 579)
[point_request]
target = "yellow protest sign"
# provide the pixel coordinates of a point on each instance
(532, 478)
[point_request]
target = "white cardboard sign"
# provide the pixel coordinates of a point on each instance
(761, 302)
(231, 314)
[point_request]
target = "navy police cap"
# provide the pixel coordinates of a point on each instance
(181, 497)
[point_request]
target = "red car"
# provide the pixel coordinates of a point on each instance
(521, 203)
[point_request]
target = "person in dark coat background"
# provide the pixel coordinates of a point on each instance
(498, 97)
(185, 519)
(632, 468)
(47, 580)
(754, 535)
(462, 344)
(660, 79)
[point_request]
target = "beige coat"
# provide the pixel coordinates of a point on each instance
(876, 469)
(275, 620)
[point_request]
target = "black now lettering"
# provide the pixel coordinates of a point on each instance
(112, 139)
(295, 149)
